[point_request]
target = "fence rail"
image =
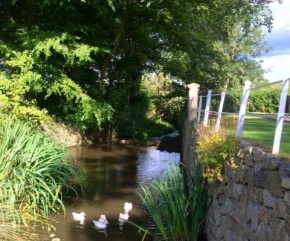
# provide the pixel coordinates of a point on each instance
(280, 116)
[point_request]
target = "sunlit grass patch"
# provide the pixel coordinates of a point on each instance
(262, 130)
(258, 129)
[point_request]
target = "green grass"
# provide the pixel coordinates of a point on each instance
(262, 130)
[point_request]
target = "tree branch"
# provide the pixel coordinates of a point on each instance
(116, 42)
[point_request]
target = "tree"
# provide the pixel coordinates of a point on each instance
(83, 60)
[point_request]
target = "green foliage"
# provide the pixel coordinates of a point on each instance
(171, 109)
(231, 103)
(38, 79)
(13, 101)
(177, 217)
(136, 115)
(74, 59)
(214, 148)
(35, 171)
(236, 63)
(168, 97)
(141, 126)
(264, 100)
(151, 128)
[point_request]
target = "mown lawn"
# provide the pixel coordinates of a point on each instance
(262, 130)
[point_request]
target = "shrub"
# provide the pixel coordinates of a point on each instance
(265, 100)
(214, 148)
(171, 109)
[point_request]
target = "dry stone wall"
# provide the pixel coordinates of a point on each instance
(253, 201)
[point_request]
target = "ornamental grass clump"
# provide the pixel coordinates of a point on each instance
(177, 216)
(35, 173)
(11, 230)
(214, 148)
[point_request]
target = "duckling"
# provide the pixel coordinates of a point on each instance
(79, 216)
(128, 207)
(101, 223)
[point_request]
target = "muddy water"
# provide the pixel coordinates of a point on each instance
(111, 176)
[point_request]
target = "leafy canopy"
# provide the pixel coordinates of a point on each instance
(82, 61)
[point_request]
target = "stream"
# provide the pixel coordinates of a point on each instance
(112, 175)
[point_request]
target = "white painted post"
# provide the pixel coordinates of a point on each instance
(199, 109)
(243, 108)
(218, 122)
(280, 117)
(206, 111)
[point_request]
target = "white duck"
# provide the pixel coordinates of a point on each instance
(128, 207)
(101, 223)
(79, 217)
(123, 216)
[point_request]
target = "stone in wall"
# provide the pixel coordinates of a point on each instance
(253, 201)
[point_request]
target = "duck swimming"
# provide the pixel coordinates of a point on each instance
(79, 216)
(101, 223)
(128, 207)
(123, 216)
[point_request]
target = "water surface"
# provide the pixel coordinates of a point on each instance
(111, 176)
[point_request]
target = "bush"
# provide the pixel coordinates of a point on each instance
(171, 109)
(231, 103)
(265, 100)
(140, 126)
(214, 148)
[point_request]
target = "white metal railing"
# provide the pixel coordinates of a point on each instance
(243, 108)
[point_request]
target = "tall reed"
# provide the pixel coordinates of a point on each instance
(177, 216)
(35, 171)
(11, 231)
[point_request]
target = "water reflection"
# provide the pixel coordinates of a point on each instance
(111, 176)
(152, 163)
